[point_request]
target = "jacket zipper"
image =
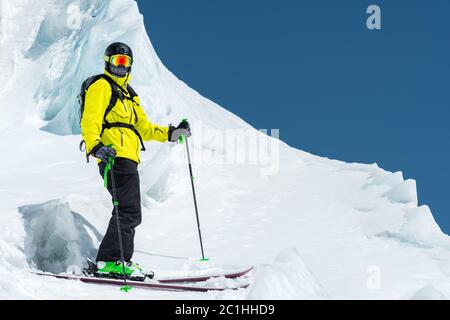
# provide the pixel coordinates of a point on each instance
(121, 138)
(131, 117)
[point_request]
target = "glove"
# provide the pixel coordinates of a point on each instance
(183, 129)
(104, 153)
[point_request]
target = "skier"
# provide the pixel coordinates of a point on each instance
(118, 134)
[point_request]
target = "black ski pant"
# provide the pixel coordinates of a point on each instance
(129, 197)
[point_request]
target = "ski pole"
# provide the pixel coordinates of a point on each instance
(193, 193)
(110, 166)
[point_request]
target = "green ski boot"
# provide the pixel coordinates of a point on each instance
(148, 274)
(115, 270)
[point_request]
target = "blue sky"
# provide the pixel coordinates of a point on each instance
(314, 70)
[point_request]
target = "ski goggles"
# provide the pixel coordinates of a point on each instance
(120, 60)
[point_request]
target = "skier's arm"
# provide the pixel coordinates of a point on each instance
(96, 102)
(149, 131)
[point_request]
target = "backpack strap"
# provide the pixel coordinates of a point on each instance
(115, 95)
(131, 91)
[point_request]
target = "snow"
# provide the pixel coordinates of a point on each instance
(428, 293)
(287, 278)
(405, 192)
(356, 228)
(420, 227)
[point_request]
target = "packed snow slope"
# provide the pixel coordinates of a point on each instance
(315, 228)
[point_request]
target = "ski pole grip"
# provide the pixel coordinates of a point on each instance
(108, 168)
(182, 138)
(105, 174)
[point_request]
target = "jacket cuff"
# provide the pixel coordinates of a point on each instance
(169, 132)
(96, 148)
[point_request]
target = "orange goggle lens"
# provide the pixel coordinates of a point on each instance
(120, 60)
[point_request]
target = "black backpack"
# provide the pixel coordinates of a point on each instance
(117, 92)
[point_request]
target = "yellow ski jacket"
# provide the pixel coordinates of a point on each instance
(123, 140)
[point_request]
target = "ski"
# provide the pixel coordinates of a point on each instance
(91, 271)
(149, 284)
(205, 277)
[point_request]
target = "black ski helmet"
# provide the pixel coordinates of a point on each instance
(113, 49)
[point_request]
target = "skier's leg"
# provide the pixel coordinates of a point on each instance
(131, 208)
(128, 196)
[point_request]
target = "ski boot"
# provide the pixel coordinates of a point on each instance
(115, 270)
(147, 273)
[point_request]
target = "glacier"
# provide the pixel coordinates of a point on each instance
(57, 238)
(315, 228)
